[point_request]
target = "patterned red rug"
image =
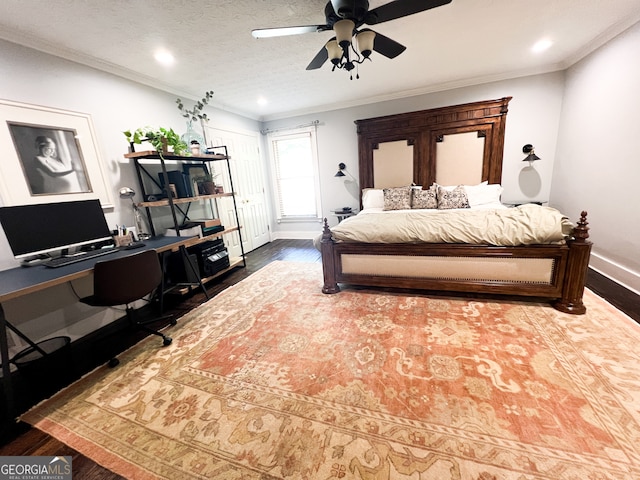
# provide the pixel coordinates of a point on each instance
(272, 379)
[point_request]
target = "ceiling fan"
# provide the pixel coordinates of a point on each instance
(345, 17)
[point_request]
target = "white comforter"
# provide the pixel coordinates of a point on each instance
(524, 225)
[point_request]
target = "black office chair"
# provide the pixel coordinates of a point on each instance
(121, 281)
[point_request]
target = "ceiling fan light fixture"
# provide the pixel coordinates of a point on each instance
(334, 51)
(365, 40)
(345, 18)
(344, 32)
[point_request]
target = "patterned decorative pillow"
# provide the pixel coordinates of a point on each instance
(456, 198)
(424, 198)
(397, 198)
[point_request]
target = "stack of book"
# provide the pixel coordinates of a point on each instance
(209, 226)
(186, 230)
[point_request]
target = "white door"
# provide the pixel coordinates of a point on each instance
(248, 176)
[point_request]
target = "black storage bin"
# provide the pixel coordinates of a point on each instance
(179, 271)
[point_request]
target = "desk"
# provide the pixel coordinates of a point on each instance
(20, 281)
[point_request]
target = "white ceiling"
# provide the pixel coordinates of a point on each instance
(463, 43)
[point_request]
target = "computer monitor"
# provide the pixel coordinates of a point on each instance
(43, 228)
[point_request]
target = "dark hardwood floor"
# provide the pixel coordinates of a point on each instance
(94, 351)
(620, 297)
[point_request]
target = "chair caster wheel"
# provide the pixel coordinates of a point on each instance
(114, 362)
(173, 323)
(167, 341)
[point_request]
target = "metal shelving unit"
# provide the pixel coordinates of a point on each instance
(179, 207)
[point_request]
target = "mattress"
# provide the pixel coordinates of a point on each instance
(528, 224)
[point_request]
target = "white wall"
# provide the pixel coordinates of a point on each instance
(534, 115)
(598, 169)
(115, 105)
(582, 127)
(583, 123)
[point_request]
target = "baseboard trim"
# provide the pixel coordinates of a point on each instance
(616, 272)
(298, 235)
(617, 295)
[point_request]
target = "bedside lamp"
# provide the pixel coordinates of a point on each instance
(127, 192)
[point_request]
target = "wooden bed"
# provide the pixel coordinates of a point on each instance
(445, 267)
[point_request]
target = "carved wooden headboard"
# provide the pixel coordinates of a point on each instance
(425, 147)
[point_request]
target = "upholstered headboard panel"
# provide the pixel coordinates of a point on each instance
(460, 144)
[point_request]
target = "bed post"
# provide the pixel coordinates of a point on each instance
(328, 261)
(575, 276)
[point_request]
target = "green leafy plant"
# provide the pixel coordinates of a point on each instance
(207, 177)
(207, 183)
(196, 112)
(158, 137)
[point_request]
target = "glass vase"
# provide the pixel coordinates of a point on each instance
(192, 135)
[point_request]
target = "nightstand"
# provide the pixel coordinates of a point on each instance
(517, 203)
(341, 214)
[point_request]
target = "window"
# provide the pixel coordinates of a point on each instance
(294, 163)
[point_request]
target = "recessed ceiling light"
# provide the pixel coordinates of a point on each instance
(541, 45)
(262, 101)
(164, 57)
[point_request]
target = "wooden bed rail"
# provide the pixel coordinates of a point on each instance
(571, 262)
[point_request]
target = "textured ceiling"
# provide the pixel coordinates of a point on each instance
(463, 43)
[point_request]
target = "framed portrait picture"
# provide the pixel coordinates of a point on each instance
(194, 173)
(50, 155)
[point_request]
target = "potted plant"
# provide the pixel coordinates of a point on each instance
(192, 115)
(195, 113)
(160, 138)
(207, 184)
(195, 147)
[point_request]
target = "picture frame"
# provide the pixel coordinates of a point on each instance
(49, 155)
(193, 171)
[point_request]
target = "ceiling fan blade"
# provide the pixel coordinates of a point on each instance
(282, 31)
(387, 47)
(319, 59)
(401, 8)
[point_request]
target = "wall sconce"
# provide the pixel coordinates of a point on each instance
(531, 156)
(350, 184)
(342, 168)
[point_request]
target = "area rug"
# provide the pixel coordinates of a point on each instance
(272, 379)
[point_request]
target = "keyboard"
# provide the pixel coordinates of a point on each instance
(62, 261)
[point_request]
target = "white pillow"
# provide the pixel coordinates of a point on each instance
(372, 198)
(483, 194)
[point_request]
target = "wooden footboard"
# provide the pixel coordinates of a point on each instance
(557, 272)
